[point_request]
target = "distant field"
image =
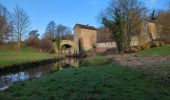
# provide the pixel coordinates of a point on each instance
(9, 56)
(160, 51)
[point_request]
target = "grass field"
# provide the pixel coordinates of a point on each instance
(9, 56)
(105, 82)
(97, 79)
(159, 51)
(96, 60)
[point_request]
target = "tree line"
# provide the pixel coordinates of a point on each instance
(124, 19)
(15, 28)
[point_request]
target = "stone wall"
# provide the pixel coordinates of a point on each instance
(77, 31)
(143, 36)
(106, 45)
(87, 37)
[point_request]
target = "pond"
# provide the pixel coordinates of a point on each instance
(8, 79)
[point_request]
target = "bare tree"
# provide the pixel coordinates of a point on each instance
(11, 31)
(64, 32)
(61, 30)
(134, 12)
(123, 18)
(163, 21)
(33, 34)
(4, 26)
(50, 30)
(106, 37)
(154, 14)
(20, 23)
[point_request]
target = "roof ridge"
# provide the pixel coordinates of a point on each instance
(85, 26)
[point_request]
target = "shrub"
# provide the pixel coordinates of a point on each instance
(126, 51)
(143, 47)
(161, 43)
(52, 49)
(155, 44)
(137, 47)
(148, 45)
(133, 50)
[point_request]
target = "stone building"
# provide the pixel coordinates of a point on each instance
(147, 29)
(85, 37)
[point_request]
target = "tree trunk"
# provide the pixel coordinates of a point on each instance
(1, 41)
(19, 46)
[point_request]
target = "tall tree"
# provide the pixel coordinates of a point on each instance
(33, 34)
(51, 30)
(124, 16)
(33, 39)
(163, 21)
(20, 23)
(61, 30)
(4, 25)
(117, 28)
(54, 31)
(134, 13)
(154, 14)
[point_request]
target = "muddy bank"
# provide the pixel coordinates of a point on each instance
(138, 61)
(18, 67)
(151, 65)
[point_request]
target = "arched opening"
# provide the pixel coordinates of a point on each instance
(66, 48)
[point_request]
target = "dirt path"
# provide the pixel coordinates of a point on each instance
(151, 64)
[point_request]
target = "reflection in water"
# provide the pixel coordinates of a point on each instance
(9, 79)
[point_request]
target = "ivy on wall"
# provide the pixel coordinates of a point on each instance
(57, 43)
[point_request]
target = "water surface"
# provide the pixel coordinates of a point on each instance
(8, 79)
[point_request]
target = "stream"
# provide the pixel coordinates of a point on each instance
(8, 79)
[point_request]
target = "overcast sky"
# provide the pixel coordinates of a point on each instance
(67, 12)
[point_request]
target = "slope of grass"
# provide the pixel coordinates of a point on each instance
(9, 56)
(164, 66)
(96, 60)
(159, 51)
(105, 82)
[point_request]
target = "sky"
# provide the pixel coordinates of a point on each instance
(67, 12)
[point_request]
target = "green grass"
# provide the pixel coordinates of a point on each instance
(164, 66)
(104, 82)
(159, 51)
(9, 57)
(96, 60)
